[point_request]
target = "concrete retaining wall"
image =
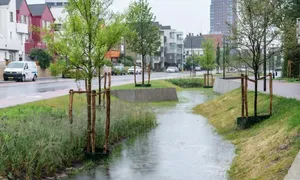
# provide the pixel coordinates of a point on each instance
(223, 86)
(146, 95)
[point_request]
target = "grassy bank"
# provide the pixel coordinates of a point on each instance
(266, 150)
(35, 138)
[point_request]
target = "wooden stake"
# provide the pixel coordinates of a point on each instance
(134, 73)
(243, 94)
(105, 77)
(107, 121)
(71, 106)
(246, 96)
(212, 79)
(109, 80)
(271, 92)
(93, 121)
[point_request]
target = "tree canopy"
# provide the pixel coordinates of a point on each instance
(207, 61)
(144, 37)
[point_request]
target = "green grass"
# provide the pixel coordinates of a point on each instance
(35, 137)
(266, 150)
(154, 84)
(290, 80)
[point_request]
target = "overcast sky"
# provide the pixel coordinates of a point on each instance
(183, 15)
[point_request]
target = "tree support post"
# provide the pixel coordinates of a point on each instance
(243, 98)
(71, 106)
(246, 96)
(271, 92)
(93, 121)
(105, 79)
(99, 76)
(107, 127)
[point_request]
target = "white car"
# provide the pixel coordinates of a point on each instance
(21, 71)
(172, 69)
(138, 70)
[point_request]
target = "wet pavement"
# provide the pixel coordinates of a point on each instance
(183, 147)
(14, 93)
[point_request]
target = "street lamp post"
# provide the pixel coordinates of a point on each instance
(192, 54)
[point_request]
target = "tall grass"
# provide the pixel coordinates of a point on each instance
(35, 141)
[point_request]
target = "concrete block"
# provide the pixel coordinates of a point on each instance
(146, 95)
(294, 173)
(223, 86)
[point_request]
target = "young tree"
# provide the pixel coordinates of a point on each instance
(207, 61)
(88, 33)
(192, 61)
(144, 37)
(249, 32)
(218, 57)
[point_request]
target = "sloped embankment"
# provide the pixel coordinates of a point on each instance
(266, 150)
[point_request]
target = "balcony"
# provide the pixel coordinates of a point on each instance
(30, 45)
(10, 44)
(22, 28)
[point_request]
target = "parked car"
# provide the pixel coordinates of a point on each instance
(21, 71)
(197, 68)
(172, 69)
(138, 70)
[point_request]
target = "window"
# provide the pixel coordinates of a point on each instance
(11, 16)
(10, 35)
(26, 20)
(172, 45)
(172, 35)
(43, 24)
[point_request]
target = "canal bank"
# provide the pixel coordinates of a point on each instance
(183, 146)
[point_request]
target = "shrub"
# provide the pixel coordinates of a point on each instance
(42, 56)
(187, 82)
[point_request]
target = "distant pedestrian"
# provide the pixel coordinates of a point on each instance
(276, 73)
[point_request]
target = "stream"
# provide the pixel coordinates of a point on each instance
(184, 146)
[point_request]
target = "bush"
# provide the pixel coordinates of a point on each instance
(187, 82)
(35, 140)
(42, 57)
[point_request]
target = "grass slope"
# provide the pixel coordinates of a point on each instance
(266, 150)
(154, 84)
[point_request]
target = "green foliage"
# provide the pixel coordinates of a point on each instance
(41, 56)
(36, 142)
(144, 37)
(207, 61)
(187, 82)
(192, 61)
(58, 68)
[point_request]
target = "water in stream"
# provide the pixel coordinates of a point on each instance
(183, 147)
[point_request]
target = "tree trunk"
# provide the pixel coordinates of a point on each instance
(207, 77)
(143, 69)
(255, 95)
(89, 114)
(99, 79)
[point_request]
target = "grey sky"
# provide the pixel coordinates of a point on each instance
(183, 15)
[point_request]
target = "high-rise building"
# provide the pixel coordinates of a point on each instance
(222, 13)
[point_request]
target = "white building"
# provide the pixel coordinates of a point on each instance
(60, 14)
(12, 34)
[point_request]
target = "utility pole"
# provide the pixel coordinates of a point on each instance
(192, 53)
(224, 54)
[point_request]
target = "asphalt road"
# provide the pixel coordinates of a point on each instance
(14, 93)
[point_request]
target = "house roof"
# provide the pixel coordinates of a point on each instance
(113, 54)
(193, 41)
(37, 9)
(18, 4)
(4, 2)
